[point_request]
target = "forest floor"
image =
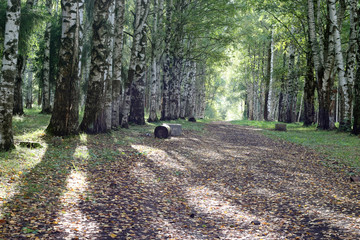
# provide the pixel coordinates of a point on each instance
(225, 182)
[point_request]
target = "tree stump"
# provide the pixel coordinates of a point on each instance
(176, 129)
(280, 127)
(163, 131)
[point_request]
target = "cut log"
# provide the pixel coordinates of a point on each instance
(176, 129)
(280, 127)
(163, 131)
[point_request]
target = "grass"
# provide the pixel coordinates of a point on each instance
(341, 148)
(16, 165)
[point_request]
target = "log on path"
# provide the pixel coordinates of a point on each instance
(163, 131)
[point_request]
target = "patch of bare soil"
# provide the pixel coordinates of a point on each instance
(229, 183)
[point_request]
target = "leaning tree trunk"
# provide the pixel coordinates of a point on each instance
(94, 120)
(65, 118)
(136, 75)
(8, 73)
(118, 48)
(45, 105)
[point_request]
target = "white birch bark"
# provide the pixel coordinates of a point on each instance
(46, 107)
(154, 82)
(118, 52)
(270, 99)
(344, 88)
(8, 73)
(136, 72)
(109, 75)
(94, 120)
(29, 85)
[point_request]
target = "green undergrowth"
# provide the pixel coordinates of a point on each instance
(340, 149)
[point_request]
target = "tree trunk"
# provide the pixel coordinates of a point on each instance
(154, 79)
(282, 95)
(192, 92)
(137, 67)
(356, 110)
(94, 120)
(29, 87)
(109, 77)
(267, 99)
(45, 105)
(309, 91)
(8, 73)
(65, 118)
(345, 88)
(18, 96)
(165, 105)
(322, 68)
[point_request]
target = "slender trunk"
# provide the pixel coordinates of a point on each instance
(356, 110)
(65, 118)
(192, 92)
(344, 87)
(154, 80)
(109, 77)
(165, 105)
(267, 85)
(29, 87)
(282, 95)
(118, 52)
(8, 73)
(18, 108)
(45, 105)
(309, 92)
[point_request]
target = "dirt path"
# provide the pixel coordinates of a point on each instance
(229, 183)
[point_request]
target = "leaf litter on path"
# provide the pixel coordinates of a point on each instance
(229, 183)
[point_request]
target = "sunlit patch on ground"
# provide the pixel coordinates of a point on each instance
(12, 172)
(71, 220)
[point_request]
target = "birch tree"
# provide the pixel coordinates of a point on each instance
(155, 59)
(8, 73)
(94, 120)
(65, 118)
(45, 105)
(118, 48)
(136, 74)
